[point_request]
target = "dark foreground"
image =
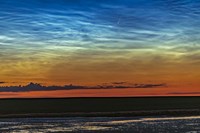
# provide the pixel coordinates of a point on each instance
(101, 107)
(102, 125)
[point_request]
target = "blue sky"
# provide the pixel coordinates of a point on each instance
(96, 23)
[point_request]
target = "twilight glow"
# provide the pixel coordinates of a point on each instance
(97, 42)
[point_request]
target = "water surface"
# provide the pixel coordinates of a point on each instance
(101, 124)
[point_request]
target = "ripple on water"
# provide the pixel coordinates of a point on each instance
(103, 124)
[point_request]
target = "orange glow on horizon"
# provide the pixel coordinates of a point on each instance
(132, 92)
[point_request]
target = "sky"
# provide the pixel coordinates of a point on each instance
(100, 43)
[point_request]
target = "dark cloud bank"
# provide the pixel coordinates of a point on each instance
(2, 82)
(39, 87)
(184, 93)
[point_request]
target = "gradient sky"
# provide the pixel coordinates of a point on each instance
(92, 42)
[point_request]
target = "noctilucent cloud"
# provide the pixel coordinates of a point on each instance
(91, 42)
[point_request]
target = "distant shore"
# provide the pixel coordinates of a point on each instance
(100, 107)
(152, 113)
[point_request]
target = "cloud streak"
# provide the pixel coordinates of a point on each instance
(183, 93)
(37, 87)
(2, 82)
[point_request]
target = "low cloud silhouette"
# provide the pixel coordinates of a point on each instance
(149, 85)
(2, 82)
(183, 93)
(122, 82)
(38, 87)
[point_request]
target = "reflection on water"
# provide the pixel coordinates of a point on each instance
(101, 124)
